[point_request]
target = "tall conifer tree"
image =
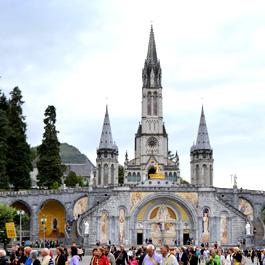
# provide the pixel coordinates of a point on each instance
(49, 164)
(18, 151)
(4, 133)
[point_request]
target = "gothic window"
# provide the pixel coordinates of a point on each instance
(170, 176)
(174, 176)
(149, 103)
(112, 174)
(155, 104)
(205, 170)
(106, 174)
(138, 177)
(129, 177)
(197, 173)
(99, 174)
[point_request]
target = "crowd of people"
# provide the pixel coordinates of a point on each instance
(148, 255)
(145, 255)
(20, 255)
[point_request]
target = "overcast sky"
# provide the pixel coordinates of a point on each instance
(79, 55)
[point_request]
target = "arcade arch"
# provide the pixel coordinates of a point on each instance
(164, 219)
(51, 220)
(21, 205)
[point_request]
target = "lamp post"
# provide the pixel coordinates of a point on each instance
(20, 213)
(254, 235)
(43, 222)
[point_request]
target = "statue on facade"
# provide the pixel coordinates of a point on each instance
(205, 222)
(86, 231)
(248, 229)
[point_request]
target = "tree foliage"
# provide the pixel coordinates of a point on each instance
(121, 174)
(72, 180)
(18, 150)
(9, 214)
(4, 133)
(49, 166)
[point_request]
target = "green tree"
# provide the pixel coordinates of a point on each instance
(49, 165)
(18, 151)
(4, 133)
(121, 174)
(72, 179)
(9, 214)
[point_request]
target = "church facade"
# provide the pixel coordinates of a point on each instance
(163, 209)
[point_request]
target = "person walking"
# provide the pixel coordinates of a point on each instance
(34, 257)
(151, 258)
(3, 258)
(27, 251)
(109, 255)
(46, 258)
(167, 258)
(122, 257)
(60, 256)
(102, 259)
(74, 256)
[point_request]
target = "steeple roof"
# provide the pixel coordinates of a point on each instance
(203, 142)
(106, 141)
(151, 53)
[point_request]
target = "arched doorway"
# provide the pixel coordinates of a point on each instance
(51, 220)
(164, 219)
(25, 231)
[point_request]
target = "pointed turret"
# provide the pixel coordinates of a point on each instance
(106, 141)
(203, 142)
(151, 53)
(107, 157)
(201, 155)
(151, 72)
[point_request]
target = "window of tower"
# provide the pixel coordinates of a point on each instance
(149, 103)
(155, 104)
(138, 177)
(106, 174)
(174, 177)
(197, 173)
(99, 174)
(112, 174)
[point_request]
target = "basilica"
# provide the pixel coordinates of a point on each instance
(153, 203)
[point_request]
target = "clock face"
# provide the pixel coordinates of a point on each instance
(152, 142)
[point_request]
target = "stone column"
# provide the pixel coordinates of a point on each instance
(34, 226)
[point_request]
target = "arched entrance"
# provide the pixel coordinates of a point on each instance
(51, 220)
(25, 231)
(164, 219)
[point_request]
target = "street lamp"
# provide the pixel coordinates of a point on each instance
(20, 213)
(43, 222)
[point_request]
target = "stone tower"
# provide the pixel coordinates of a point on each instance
(107, 157)
(151, 139)
(201, 155)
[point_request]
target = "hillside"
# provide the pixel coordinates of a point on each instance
(69, 154)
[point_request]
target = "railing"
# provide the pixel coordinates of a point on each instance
(87, 213)
(43, 192)
(227, 204)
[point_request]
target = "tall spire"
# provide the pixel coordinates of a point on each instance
(151, 53)
(203, 141)
(106, 141)
(151, 73)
